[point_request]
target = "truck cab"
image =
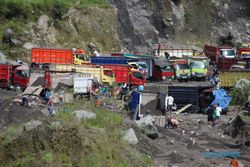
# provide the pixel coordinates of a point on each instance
(137, 77)
(228, 53)
(182, 69)
(80, 57)
(198, 68)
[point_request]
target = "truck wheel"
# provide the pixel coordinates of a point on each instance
(33, 66)
(45, 67)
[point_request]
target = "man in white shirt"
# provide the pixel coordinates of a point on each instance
(217, 111)
(169, 102)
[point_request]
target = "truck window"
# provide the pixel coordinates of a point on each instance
(167, 69)
(228, 53)
(182, 66)
(199, 65)
(108, 73)
(138, 75)
(245, 54)
(23, 73)
(81, 57)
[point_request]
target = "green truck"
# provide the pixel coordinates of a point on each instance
(198, 67)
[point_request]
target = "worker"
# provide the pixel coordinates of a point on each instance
(141, 87)
(61, 96)
(169, 102)
(25, 101)
(218, 111)
(234, 163)
(50, 108)
(95, 53)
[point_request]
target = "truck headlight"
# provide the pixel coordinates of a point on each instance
(163, 77)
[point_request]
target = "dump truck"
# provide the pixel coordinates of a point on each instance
(122, 70)
(228, 79)
(214, 52)
(163, 69)
(199, 67)
(99, 73)
(182, 69)
(43, 57)
(14, 75)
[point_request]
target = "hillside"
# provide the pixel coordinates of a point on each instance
(119, 24)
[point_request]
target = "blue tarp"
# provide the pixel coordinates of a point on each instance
(222, 98)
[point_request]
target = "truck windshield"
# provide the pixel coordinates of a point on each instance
(143, 65)
(138, 75)
(228, 53)
(23, 73)
(167, 69)
(182, 66)
(198, 64)
(108, 73)
(245, 54)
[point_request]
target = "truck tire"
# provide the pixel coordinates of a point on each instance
(45, 67)
(33, 66)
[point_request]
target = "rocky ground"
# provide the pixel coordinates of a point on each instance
(182, 146)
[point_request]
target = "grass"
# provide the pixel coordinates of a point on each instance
(11, 133)
(47, 157)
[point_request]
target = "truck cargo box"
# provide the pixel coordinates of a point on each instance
(52, 56)
(109, 60)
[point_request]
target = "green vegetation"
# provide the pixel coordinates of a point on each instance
(240, 95)
(92, 142)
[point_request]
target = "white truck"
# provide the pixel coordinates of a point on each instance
(82, 87)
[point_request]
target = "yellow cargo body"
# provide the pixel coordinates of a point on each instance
(98, 72)
(229, 78)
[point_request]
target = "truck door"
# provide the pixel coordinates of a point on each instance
(21, 78)
(136, 78)
(108, 76)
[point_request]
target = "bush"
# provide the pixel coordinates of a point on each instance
(240, 94)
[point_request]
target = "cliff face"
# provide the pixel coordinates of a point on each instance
(133, 25)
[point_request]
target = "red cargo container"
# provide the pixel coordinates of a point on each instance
(123, 73)
(46, 56)
(225, 63)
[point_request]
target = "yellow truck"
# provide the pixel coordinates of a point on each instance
(229, 78)
(104, 75)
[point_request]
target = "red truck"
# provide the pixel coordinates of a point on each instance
(214, 52)
(162, 69)
(243, 55)
(14, 76)
(45, 56)
(124, 73)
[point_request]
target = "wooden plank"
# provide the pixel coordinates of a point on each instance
(183, 109)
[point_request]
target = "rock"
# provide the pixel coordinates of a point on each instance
(81, 114)
(42, 22)
(32, 124)
(15, 42)
(130, 136)
(147, 120)
(7, 35)
(29, 45)
(226, 6)
(151, 131)
(2, 57)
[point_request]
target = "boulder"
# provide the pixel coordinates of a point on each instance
(2, 57)
(147, 120)
(81, 114)
(15, 42)
(29, 45)
(130, 136)
(147, 126)
(32, 124)
(42, 22)
(7, 35)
